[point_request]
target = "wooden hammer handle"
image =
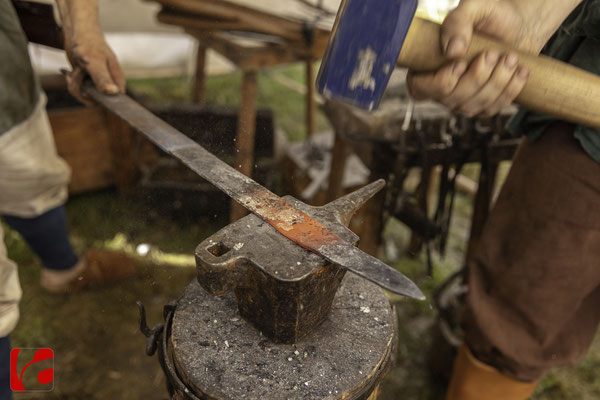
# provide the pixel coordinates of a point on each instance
(553, 87)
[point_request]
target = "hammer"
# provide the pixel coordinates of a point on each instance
(370, 37)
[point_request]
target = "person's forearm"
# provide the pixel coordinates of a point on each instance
(79, 18)
(87, 49)
(545, 16)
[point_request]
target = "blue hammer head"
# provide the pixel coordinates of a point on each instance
(363, 49)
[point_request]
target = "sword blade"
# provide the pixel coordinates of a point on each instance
(289, 221)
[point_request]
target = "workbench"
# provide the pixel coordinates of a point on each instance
(254, 35)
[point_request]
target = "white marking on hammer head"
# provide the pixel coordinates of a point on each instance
(362, 75)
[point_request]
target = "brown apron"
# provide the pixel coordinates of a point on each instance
(534, 279)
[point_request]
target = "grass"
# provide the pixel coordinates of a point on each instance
(287, 105)
(99, 349)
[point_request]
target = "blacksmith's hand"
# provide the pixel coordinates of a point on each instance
(492, 80)
(87, 50)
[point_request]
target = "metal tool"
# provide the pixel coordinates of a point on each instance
(292, 223)
(370, 37)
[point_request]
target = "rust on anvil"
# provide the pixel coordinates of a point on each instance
(310, 234)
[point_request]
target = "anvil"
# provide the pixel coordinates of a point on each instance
(282, 289)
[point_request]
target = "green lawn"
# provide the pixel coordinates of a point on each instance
(287, 105)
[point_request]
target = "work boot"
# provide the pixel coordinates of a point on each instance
(474, 380)
(95, 268)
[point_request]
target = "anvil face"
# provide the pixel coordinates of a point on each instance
(363, 48)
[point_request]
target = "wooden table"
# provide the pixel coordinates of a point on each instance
(253, 35)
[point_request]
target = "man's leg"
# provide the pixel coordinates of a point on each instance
(33, 189)
(534, 279)
(48, 237)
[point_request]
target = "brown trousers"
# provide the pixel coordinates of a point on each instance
(534, 279)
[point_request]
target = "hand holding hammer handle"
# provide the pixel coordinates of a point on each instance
(553, 87)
